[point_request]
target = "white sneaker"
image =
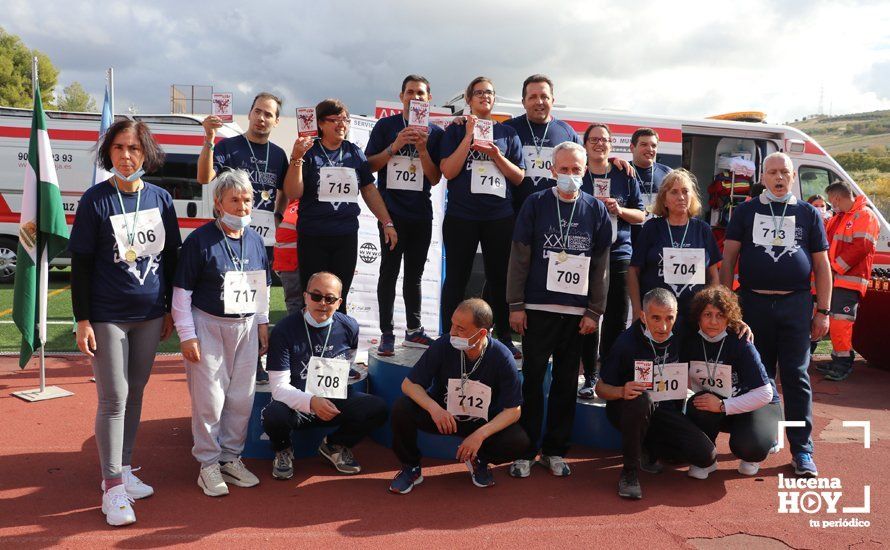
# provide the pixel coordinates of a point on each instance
(116, 506)
(748, 468)
(556, 464)
(211, 481)
(236, 473)
(701, 473)
(521, 468)
(135, 486)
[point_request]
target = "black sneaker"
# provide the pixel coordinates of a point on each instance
(650, 464)
(480, 473)
(629, 485)
(586, 389)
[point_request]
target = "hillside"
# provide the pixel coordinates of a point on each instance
(854, 132)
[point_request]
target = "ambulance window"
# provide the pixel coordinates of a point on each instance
(178, 176)
(814, 180)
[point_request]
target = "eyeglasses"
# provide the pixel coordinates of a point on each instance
(597, 141)
(483, 93)
(337, 119)
(318, 296)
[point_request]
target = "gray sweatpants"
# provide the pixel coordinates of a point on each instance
(221, 385)
(122, 364)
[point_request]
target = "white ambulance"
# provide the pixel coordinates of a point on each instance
(73, 139)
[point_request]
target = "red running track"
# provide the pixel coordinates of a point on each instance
(49, 487)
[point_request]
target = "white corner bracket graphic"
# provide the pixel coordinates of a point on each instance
(780, 430)
(866, 430)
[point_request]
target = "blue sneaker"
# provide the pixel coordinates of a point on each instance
(480, 473)
(387, 346)
(803, 465)
(513, 349)
(417, 339)
(405, 480)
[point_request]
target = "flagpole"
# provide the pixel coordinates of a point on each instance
(111, 91)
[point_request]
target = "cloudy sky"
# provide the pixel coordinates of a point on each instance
(684, 58)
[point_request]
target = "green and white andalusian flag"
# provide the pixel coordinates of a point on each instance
(43, 234)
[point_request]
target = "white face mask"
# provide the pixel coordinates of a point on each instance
(235, 222)
(568, 183)
(648, 335)
(712, 339)
(129, 179)
(784, 198)
(462, 344)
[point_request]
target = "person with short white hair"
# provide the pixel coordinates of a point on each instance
(557, 282)
(777, 241)
(221, 310)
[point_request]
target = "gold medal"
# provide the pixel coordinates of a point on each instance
(777, 242)
(412, 168)
(539, 163)
(265, 195)
(481, 169)
(130, 255)
(562, 257)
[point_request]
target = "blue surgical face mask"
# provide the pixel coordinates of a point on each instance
(235, 222)
(769, 194)
(462, 344)
(568, 183)
(712, 339)
(312, 322)
(129, 179)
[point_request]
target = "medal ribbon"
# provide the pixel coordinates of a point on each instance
(712, 372)
(564, 240)
(131, 235)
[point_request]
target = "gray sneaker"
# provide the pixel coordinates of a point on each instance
(650, 464)
(521, 468)
(556, 464)
(629, 485)
(283, 465)
(340, 457)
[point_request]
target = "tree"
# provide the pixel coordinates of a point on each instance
(75, 98)
(15, 73)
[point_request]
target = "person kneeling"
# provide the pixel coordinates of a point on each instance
(464, 384)
(733, 392)
(645, 385)
(309, 376)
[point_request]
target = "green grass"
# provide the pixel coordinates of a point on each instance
(61, 337)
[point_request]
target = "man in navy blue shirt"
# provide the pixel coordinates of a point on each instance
(309, 356)
(265, 163)
(650, 414)
(777, 241)
(557, 283)
(649, 174)
(407, 162)
(465, 384)
(539, 133)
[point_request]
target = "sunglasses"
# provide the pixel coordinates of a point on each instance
(318, 296)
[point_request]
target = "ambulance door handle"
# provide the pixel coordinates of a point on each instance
(191, 210)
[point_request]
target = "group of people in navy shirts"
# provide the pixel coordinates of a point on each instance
(575, 243)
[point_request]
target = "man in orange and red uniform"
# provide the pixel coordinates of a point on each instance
(284, 261)
(853, 233)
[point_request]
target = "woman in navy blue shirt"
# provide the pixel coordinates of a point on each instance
(675, 250)
(123, 256)
(327, 175)
(620, 193)
(481, 172)
(733, 392)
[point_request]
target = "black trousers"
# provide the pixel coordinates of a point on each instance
(336, 254)
(614, 319)
(751, 434)
(666, 433)
(413, 245)
(549, 334)
(360, 414)
(408, 417)
(461, 238)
